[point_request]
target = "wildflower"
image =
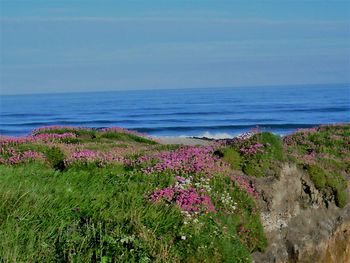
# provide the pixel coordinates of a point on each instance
(186, 199)
(187, 160)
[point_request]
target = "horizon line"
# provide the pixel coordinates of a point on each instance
(188, 88)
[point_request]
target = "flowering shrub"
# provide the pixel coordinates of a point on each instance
(245, 184)
(56, 129)
(186, 199)
(187, 160)
(256, 154)
(53, 136)
(4, 141)
(324, 152)
(253, 149)
(15, 157)
(89, 156)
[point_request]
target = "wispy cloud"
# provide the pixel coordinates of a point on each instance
(141, 19)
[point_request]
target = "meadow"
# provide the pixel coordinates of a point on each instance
(71, 194)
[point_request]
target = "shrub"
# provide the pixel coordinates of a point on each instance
(125, 136)
(56, 157)
(259, 155)
(338, 185)
(257, 168)
(231, 156)
(275, 145)
(341, 198)
(317, 176)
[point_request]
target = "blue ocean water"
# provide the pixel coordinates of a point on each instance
(188, 112)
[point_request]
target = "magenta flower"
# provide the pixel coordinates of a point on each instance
(23, 157)
(186, 199)
(187, 160)
(253, 149)
(54, 127)
(101, 158)
(5, 141)
(245, 184)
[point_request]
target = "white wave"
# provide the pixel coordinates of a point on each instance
(209, 135)
(221, 135)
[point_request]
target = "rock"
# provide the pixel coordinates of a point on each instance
(300, 225)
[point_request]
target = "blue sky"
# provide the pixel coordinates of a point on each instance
(63, 46)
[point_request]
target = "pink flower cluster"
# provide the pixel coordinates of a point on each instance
(119, 129)
(187, 160)
(53, 127)
(245, 184)
(45, 137)
(22, 157)
(300, 137)
(307, 158)
(53, 136)
(186, 199)
(252, 149)
(308, 130)
(5, 141)
(101, 158)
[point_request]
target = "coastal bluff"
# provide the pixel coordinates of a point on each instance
(301, 225)
(80, 194)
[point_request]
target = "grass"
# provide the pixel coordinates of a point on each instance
(101, 214)
(232, 156)
(125, 137)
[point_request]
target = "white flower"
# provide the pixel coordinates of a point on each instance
(183, 237)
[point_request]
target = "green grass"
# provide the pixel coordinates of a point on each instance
(125, 137)
(103, 215)
(79, 215)
(232, 156)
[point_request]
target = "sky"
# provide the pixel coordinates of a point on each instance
(73, 46)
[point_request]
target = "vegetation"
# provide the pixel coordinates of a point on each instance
(324, 152)
(257, 154)
(81, 195)
(84, 195)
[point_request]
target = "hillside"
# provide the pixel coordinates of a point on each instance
(72, 194)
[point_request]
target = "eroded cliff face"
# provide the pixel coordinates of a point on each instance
(301, 224)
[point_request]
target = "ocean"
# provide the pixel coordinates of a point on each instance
(210, 112)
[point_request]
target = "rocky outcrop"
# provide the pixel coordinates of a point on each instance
(301, 224)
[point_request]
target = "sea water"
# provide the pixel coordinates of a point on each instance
(210, 112)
